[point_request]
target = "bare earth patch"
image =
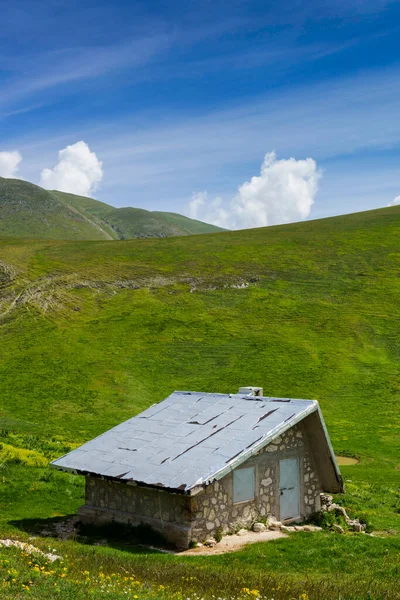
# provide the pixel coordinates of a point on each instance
(231, 543)
(344, 461)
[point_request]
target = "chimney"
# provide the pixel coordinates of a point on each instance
(251, 391)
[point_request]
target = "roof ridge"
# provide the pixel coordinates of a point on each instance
(188, 439)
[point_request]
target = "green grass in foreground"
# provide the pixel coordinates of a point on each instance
(327, 571)
(94, 332)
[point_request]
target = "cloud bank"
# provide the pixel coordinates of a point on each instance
(283, 192)
(78, 171)
(395, 201)
(9, 162)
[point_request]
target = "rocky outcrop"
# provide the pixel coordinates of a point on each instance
(328, 505)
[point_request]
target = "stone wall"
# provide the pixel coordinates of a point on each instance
(311, 487)
(167, 513)
(181, 518)
(213, 509)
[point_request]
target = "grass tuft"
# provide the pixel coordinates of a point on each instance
(21, 456)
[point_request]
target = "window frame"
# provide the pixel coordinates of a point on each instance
(253, 497)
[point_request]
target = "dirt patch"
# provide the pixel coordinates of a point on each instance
(232, 543)
(344, 461)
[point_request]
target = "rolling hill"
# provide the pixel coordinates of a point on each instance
(26, 210)
(94, 332)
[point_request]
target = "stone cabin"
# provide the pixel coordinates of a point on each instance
(198, 463)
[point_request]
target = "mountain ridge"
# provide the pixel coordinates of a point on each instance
(27, 210)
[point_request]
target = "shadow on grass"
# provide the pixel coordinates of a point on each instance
(140, 539)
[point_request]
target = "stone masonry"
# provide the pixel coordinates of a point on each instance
(182, 518)
(213, 509)
(167, 513)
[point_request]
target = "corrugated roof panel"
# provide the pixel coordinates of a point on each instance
(187, 439)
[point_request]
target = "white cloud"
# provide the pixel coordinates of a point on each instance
(9, 162)
(395, 201)
(214, 209)
(283, 192)
(198, 200)
(78, 171)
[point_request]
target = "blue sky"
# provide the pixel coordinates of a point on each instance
(179, 98)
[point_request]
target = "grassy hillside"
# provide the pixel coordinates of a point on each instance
(26, 210)
(94, 332)
(191, 226)
(127, 223)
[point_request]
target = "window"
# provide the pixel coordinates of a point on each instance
(243, 485)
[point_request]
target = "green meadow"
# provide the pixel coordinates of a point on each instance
(94, 332)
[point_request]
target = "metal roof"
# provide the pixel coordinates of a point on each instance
(187, 440)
